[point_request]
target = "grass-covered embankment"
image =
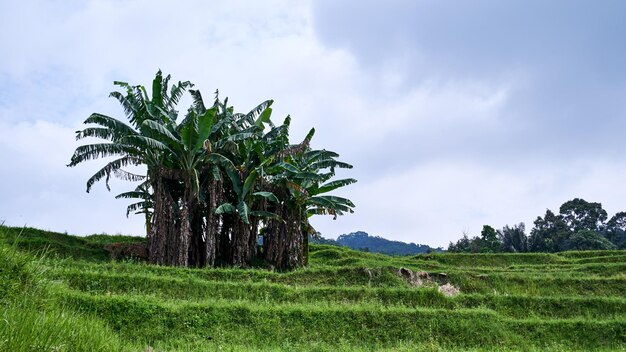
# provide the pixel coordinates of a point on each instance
(345, 300)
(59, 245)
(31, 321)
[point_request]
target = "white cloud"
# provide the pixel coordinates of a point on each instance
(40, 191)
(434, 154)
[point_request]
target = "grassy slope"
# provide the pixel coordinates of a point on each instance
(61, 245)
(30, 321)
(345, 300)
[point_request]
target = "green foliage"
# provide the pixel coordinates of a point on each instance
(489, 240)
(615, 230)
(587, 240)
(464, 245)
(548, 234)
(513, 239)
(580, 225)
(580, 215)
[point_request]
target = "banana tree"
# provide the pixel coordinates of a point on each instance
(189, 151)
(233, 150)
(247, 206)
(247, 216)
(133, 145)
(303, 178)
(214, 178)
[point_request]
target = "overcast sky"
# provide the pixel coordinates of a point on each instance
(454, 114)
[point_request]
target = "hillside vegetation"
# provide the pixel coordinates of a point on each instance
(75, 298)
(364, 242)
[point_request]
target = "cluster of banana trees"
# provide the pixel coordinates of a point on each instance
(217, 181)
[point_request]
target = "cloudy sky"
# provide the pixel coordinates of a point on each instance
(455, 114)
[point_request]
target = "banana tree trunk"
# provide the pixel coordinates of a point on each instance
(159, 238)
(285, 240)
(184, 235)
(224, 242)
(295, 241)
(239, 243)
(197, 256)
(211, 235)
(148, 224)
(252, 239)
(305, 249)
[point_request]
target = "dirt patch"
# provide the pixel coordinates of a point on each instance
(119, 251)
(414, 278)
(422, 278)
(449, 290)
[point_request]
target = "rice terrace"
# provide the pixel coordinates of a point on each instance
(77, 299)
(432, 176)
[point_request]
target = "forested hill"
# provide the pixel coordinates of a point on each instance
(364, 242)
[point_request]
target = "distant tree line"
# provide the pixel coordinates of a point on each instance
(362, 241)
(579, 225)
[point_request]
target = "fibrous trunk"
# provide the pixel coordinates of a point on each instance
(197, 255)
(184, 235)
(239, 243)
(284, 243)
(170, 233)
(252, 239)
(211, 235)
(159, 239)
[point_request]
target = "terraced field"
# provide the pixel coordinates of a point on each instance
(348, 300)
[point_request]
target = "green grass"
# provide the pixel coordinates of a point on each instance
(24, 328)
(60, 245)
(79, 299)
(31, 321)
(196, 290)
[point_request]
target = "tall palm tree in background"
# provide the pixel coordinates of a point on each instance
(215, 180)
